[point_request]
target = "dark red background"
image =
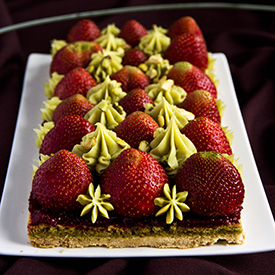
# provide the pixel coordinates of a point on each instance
(247, 37)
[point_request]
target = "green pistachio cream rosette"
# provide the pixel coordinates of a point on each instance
(165, 88)
(170, 147)
(42, 131)
(109, 40)
(100, 148)
(107, 113)
(105, 63)
(51, 84)
(163, 111)
(155, 67)
(50, 105)
(155, 42)
(109, 90)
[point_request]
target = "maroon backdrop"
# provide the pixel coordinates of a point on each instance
(247, 38)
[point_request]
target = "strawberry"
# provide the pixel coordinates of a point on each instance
(190, 48)
(131, 77)
(135, 100)
(186, 24)
(67, 132)
(74, 105)
(134, 57)
(73, 55)
(60, 179)
(132, 31)
(76, 81)
(191, 78)
(201, 103)
(134, 179)
(84, 30)
(207, 135)
(136, 127)
(213, 183)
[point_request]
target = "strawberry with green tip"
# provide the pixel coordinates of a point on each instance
(67, 132)
(134, 180)
(76, 81)
(84, 30)
(74, 105)
(184, 25)
(191, 78)
(136, 127)
(213, 183)
(201, 103)
(132, 31)
(135, 101)
(190, 48)
(73, 55)
(131, 77)
(60, 179)
(207, 135)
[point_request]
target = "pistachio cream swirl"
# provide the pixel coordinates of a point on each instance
(50, 105)
(107, 113)
(109, 90)
(100, 148)
(166, 88)
(163, 111)
(42, 131)
(155, 42)
(170, 147)
(51, 84)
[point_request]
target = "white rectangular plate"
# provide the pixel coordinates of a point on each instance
(257, 218)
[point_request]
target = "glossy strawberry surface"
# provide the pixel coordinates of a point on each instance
(134, 180)
(134, 57)
(76, 81)
(67, 132)
(60, 179)
(136, 127)
(207, 135)
(214, 185)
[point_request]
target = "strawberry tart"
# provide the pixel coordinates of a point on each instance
(131, 150)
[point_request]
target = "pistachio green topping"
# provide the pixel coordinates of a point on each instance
(170, 147)
(56, 45)
(107, 114)
(95, 202)
(42, 159)
(100, 148)
(51, 84)
(155, 42)
(50, 105)
(105, 63)
(163, 111)
(172, 204)
(40, 133)
(165, 88)
(109, 90)
(109, 40)
(156, 67)
(229, 134)
(210, 71)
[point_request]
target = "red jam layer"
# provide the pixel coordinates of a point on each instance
(72, 218)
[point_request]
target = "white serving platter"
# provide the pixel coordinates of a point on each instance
(257, 218)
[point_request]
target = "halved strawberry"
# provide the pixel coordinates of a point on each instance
(60, 179)
(136, 127)
(213, 183)
(84, 30)
(201, 103)
(186, 24)
(131, 77)
(191, 78)
(207, 135)
(134, 179)
(190, 48)
(73, 55)
(135, 100)
(76, 81)
(74, 105)
(132, 31)
(67, 132)
(134, 57)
